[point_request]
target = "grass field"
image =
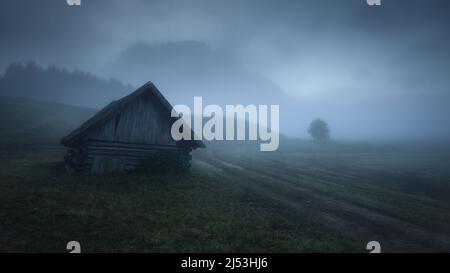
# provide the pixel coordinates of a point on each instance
(235, 199)
(42, 209)
(306, 197)
(393, 193)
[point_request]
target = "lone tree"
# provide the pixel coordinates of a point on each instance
(319, 130)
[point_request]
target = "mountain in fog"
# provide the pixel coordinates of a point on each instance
(60, 85)
(182, 70)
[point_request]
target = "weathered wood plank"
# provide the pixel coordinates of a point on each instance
(143, 120)
(124, 134)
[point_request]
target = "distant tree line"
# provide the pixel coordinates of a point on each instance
(59, 85)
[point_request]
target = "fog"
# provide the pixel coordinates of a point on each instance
(370, 72)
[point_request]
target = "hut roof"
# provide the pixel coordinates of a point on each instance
(114, 107)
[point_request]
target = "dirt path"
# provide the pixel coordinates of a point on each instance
(350, 219)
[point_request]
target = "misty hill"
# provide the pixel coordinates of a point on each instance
(186, 69)
(59, 85)
(31, 121)
(28, 121)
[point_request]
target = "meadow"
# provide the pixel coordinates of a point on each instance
(305, 197)
(234, 199)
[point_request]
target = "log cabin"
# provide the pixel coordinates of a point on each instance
(124, 134)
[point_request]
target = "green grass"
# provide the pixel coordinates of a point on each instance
(407, 186)
(413, 185)
(42, 209)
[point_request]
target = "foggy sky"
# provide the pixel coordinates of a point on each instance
(371, 72)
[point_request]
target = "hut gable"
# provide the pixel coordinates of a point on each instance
(142, 120)
(125, 133)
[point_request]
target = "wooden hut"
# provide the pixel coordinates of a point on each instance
(124, 134)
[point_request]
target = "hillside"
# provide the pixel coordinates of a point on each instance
(31, 121)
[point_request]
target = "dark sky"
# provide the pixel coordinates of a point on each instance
(370, 71)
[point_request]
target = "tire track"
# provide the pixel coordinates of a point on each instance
(352, 220)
